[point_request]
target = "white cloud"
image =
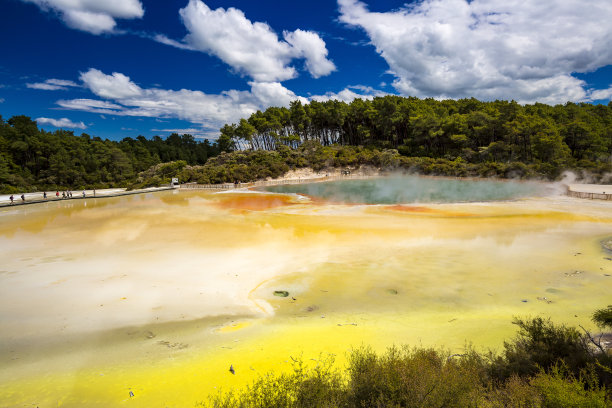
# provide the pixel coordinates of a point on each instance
(93, 16)
(185, 130)
(601, 94)
(115, 86)
(208, 110)
(53, 85)
(161, 38)
(348, 94)
(311, 47)
(2, 100)
(507, 49)
(251, 48)
(91, 105)
(61, 123)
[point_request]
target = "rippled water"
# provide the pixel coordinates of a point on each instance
(413, 189)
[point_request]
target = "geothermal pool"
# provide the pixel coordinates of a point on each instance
(414, 189)
(157, 294)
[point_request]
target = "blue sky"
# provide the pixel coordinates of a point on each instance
(137, 67)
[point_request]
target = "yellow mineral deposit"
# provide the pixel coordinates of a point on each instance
(148, 300)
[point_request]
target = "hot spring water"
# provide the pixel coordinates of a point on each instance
(159, 294)
(413, 189)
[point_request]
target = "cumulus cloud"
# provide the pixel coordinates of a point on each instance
(61, 123)
(349, 94)
(310, 46)
(126, 98)
(525, 50)
(53, 85)
(210, 111)
(93, 16)
(601, 94)
(115, 86)
(251, 48)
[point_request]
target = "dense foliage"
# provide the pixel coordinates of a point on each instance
(570, 135)
(603, 317)
(546, 365)
(251, 165)
(31, 158)
(453, 137)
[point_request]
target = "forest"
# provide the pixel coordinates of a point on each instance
(33, 159)
(463, 137)
(476, 131)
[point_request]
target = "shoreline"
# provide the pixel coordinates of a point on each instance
(577, 190)
(37, 197)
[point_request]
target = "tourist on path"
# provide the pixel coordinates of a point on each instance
(83, 193)
(23, 198)
(45, 195)
(57, 194)
(12, 198)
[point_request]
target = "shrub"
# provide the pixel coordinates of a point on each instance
(540, 345)
(319, 386)
(603, 317)
(560, 389)
(413, 378)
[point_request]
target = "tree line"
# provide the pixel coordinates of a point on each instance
(500, 131)
(463, 137)
(32, 158)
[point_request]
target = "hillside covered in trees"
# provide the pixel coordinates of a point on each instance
(31, 158)
(501, 131)
(463, 137)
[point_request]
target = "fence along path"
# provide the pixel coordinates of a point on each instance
(590, 191)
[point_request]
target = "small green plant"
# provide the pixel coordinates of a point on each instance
(603, 317)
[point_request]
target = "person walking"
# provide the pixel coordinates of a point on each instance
(63, 194)
(12, 198)
(45, 195)
(23, 198)
(83, 193)
(57, 194)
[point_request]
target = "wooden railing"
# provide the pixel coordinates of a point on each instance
(591, 196)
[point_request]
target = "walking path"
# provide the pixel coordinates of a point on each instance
(35, 198)
(591, 191)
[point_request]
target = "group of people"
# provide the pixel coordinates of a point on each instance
(65, 194)
(13, 198)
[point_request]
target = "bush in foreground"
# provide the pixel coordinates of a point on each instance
(545, 366)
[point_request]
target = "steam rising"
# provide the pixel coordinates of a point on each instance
(414, 189)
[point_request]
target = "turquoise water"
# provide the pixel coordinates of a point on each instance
(412, 189)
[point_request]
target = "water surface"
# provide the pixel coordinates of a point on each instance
(159, 293)
(413, 189)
